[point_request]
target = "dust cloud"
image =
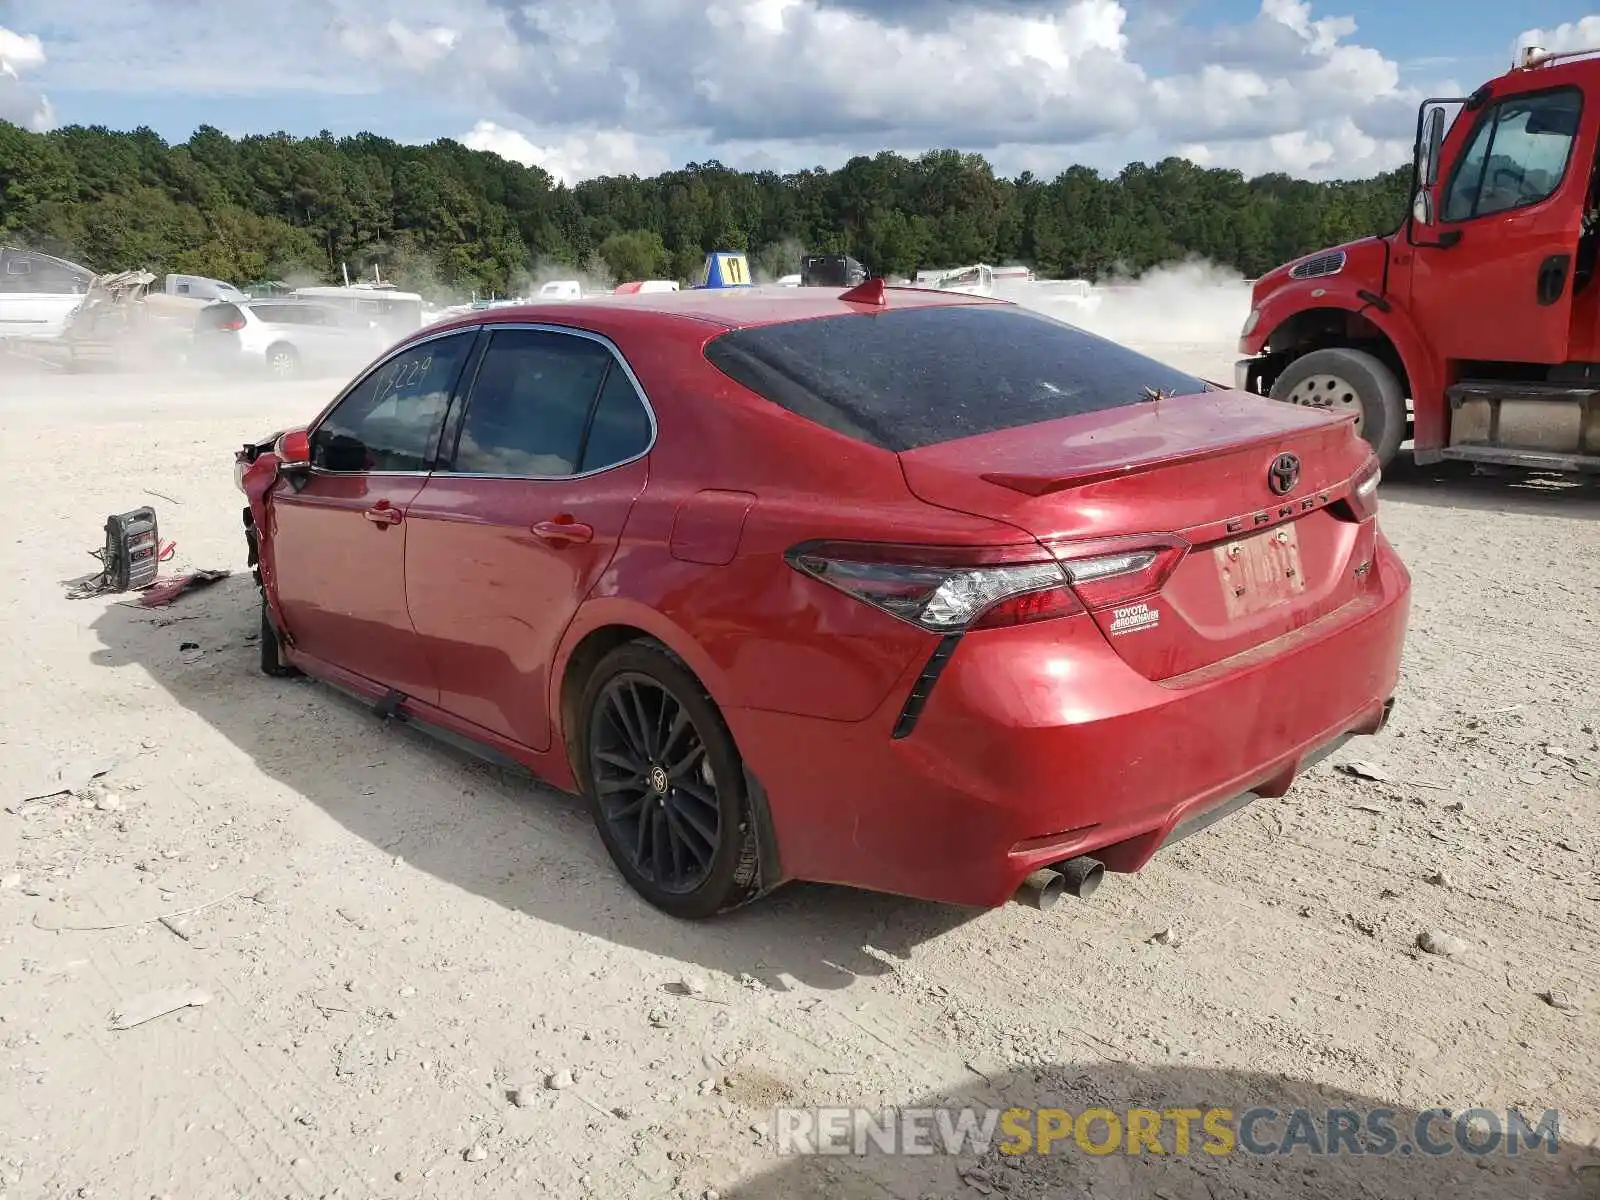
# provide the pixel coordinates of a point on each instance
(593, 277)
(1189, 303)
(773, 262)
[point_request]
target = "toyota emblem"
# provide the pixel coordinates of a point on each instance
(1283, 474)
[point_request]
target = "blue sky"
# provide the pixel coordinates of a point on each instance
(1320, 88)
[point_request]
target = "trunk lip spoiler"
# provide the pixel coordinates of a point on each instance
(1041, 483)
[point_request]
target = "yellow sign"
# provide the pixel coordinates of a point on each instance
(735, 270)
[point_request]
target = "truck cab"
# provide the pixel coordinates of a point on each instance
(1482, 309)
(198, 287)
(831, 270)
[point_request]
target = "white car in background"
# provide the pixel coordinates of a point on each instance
(39, 294)
(285, 338)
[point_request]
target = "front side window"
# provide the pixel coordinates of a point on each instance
(1517, 157)
(530, 404)
(390, 421)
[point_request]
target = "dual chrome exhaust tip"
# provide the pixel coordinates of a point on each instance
(1075, 877)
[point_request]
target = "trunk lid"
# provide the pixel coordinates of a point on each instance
(1260, 564)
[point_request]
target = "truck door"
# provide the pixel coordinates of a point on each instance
(1492, 278)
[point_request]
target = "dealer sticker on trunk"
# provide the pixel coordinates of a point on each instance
(1133, 618)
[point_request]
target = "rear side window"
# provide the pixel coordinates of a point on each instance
(919, 376)
(621, 426)
(530, 404)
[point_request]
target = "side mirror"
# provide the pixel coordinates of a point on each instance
(344, 453)
(294, 450)
(1422, 208)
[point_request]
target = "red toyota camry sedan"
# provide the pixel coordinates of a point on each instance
(904, 590)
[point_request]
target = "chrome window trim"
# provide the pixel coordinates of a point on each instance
(618, 357)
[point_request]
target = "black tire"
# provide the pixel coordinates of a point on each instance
(1342, 378)
(272, 661)
(283, 361)
(665, 784)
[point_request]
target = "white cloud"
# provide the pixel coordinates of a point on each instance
(601, 85)
(19, 104)
(572, 157)
(1290, 88)
(1582, 34)
(1341, 151)
(416, 50)
(19, 53)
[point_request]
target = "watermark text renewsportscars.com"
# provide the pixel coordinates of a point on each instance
(1259, 1131)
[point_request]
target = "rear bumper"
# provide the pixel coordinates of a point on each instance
(223, 353)
(1039, 744)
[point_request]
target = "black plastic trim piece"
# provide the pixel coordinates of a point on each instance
(924, 685)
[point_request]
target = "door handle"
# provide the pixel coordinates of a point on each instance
(1552, 278)
(564, 530)
(383, 514)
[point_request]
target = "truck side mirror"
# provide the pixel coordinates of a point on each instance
(1422, 207)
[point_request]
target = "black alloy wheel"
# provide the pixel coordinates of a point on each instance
(666, 784)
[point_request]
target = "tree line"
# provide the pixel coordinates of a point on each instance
(446, 219)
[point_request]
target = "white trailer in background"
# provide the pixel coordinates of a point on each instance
(976, 280)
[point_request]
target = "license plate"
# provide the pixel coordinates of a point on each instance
(1261, 571)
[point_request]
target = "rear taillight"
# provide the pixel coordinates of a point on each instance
(233, 325)
(1363, 498)
(953, 589)
(1364, 490)
(1117, 571)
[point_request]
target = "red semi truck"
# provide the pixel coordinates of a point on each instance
(1483, 308)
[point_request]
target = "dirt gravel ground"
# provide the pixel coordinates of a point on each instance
(423, 978)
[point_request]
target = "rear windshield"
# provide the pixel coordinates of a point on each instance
(919, 376)
(217, 316)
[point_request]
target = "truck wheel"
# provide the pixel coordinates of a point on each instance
(1343, 380)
